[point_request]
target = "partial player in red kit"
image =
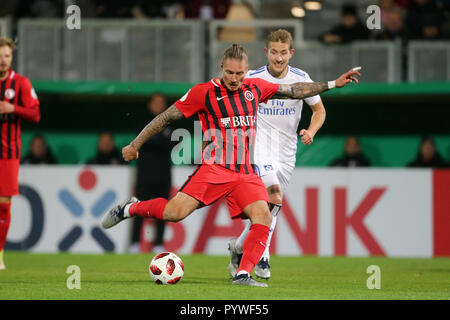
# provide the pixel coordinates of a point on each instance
(17, 101)
(227, 109)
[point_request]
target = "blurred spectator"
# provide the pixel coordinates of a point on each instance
(40, 9)
(107, 152)
(353, 156)
(9, 7)
(351, 28)
(113, 8)
(154, 166)
(427, 155)
(206, 9)
(40, 152)
(424, 20)
(393, 27)
(143, 9)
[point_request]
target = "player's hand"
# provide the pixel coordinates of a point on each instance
(6, 107)
(348, 77)
(129, 153)
(307, 137)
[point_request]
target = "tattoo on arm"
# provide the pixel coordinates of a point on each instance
(300, 90)
(157, 125)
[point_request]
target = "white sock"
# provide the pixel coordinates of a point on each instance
(266, 253)
(241, 239)
(126, 212)
(242, 272)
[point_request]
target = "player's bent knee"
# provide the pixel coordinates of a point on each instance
(276, 199)
(259, 213)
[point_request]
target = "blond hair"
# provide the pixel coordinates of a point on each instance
(236, 51)
(281, 35)
(5, 41)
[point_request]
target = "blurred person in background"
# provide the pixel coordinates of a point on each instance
(40, 9)
(350, 29)
(40, 152)
(18, 101)
(206, 9)
(393, 27)
(353, 155)
(154, 165)
(424, 20)
(113, 8)
(427, 155)
(144, 9)
(107, 152)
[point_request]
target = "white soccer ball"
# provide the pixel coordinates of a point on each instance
(166, 268)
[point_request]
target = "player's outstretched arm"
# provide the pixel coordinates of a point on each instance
(130, 152)
(301, 90)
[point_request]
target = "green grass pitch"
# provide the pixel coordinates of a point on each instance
(114, 276)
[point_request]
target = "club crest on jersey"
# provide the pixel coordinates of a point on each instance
(249, 95)
(226, 122)
(10, 94)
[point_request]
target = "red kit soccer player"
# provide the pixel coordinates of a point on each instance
(17, 101)
(227, 109)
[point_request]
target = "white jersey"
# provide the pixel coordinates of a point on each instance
(278, 119)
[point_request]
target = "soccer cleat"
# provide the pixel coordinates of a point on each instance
(235, 258)
(262, 269)
(247, 280)
(116, 214)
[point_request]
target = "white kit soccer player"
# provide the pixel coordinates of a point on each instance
(277, 124)
(274, 153)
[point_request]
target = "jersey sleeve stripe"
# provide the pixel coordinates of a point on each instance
(256, 72)
(298, 72)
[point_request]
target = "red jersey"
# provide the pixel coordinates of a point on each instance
(17, 90)
(228, 120)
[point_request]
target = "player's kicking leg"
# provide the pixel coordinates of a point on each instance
(175, 209)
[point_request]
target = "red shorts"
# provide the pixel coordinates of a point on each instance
(209, 183)
(9, 177)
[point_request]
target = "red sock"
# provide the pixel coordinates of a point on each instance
(5, 219)
(254, 246)
(149, 209)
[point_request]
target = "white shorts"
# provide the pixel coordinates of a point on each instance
(275, 173)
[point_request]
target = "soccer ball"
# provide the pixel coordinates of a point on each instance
(166, 268)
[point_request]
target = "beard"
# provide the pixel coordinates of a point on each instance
(277, 72)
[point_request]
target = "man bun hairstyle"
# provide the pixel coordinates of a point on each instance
(236, 51)
(281, 35)
(5, 41)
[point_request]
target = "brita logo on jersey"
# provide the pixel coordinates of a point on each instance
(238, 121)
